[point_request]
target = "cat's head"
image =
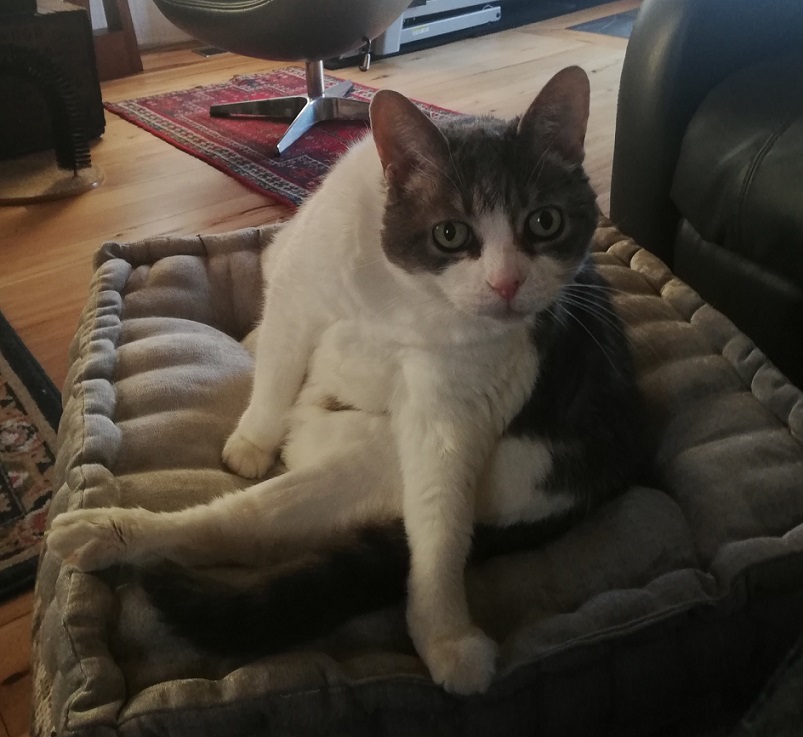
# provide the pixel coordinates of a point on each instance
(495, 216)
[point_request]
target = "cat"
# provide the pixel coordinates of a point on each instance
(438, 362)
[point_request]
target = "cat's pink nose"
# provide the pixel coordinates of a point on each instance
(506, 288)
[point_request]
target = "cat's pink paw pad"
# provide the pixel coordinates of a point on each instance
(245, 458)
(465, 664)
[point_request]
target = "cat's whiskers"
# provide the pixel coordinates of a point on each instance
(582, 291)
(599, 287)
(594, 338)
(616, 312)
(621, 309)
(572, 295)
(608, 316)
(539, 166)
(558, 314)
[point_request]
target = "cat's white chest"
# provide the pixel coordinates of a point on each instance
(352, 368)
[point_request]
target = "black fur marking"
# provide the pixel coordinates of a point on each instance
(586, 405)
(490, 541)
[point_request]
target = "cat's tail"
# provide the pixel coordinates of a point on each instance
(247, 611)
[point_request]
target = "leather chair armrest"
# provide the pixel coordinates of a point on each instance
(678, 51)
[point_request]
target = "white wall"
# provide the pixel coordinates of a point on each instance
(151, 27)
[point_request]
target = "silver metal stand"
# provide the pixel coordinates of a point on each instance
(303, 110)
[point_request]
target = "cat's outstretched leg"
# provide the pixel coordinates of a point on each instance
(291, 510)
(285, 340)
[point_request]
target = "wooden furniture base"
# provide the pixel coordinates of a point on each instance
(116, 48)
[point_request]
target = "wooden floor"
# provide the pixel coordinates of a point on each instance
(152, 188)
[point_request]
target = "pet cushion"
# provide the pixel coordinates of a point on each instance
(664, 601)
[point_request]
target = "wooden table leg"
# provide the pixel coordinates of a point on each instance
(116, 48)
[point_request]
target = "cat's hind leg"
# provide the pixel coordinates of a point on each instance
(351, 485)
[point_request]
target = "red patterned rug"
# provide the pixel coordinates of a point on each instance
(241, 148)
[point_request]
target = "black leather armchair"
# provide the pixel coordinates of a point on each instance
(708, 158)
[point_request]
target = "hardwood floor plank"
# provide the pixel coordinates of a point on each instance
(15, 644)
(16, 608)
(15, 683)
(15, 704)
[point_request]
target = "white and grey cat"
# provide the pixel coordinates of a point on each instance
(436, 347)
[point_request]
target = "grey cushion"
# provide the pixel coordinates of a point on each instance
(664, 599)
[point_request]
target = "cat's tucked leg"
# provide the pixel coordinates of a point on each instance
(459, 655)
(284, 344)
(439, 468)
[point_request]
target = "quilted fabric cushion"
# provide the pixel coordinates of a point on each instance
(666, 599)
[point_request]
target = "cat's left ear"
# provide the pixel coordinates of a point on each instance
(406, 139)
(559, 115)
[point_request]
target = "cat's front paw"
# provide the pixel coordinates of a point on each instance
(92, 539)
(246, 458)
(464, 664)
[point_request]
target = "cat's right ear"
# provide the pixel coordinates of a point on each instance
(406, 139)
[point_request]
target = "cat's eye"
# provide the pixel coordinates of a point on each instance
(451, 235)
(545, 223)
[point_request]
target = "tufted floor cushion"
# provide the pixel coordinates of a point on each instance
(668, 603)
